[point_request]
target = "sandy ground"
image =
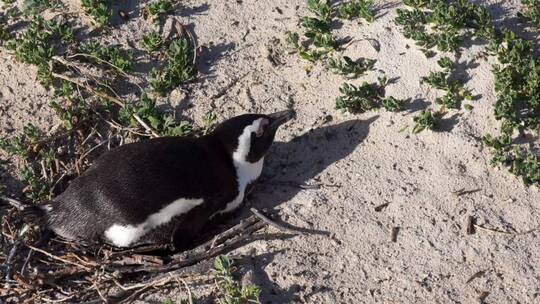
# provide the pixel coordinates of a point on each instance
(359, 162)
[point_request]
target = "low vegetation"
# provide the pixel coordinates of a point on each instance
(38, 43)
(424, 120)
(531, 12)
(98, 10)
(48, 44)
(36, 160)
(112, 55)
(158, 10)
(349, 68)
(366, 97)
(357, 9)
(178, 69)
(320, 45)
(517, 84)
(441, 26)
(231, 291)
(163, 123)
(455, 91)
(152, 41)
(444, 25)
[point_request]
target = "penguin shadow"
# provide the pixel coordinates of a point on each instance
(291, 167)
(295, 166)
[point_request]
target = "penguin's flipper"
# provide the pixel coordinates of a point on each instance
(188, 229)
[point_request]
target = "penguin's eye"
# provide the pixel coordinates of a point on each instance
(262, 127)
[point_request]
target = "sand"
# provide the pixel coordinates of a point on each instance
(356, 162)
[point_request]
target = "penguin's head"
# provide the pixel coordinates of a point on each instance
(248, 137)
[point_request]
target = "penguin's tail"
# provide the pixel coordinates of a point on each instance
(30, 214)
(36, 215)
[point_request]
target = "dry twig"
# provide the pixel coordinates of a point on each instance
(507, 232)
(270, 222)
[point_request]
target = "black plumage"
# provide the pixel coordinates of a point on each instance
(128, 184)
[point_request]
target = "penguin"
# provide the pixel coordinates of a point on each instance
(162, 190)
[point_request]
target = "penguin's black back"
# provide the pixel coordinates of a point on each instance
(133, 181)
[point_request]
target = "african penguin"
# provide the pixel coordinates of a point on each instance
(162, 190)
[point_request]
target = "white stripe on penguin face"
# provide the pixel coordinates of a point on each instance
(246, 172)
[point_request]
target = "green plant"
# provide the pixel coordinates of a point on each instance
(424, 120)
(36, 188)
(520, 161)
(163, 124)
(159, 9)
(38, 43)
(31, 7)
(98, 10)
(357, 9)
(232, 292)
(303, 52)
(319, 32)
(444, 25)
(350, 69)
(525, 164)
(517, 84)
(357, 99)
(71, 113)
(437, 80)
(366, 97)
(456, 92)
(392, 104)
(121, 59)
(178, 70)
(321, 9)
(531, 11)
(447, 21)
(320, 41)
(317, 29)
(152, 41)
(22, 145)
(26, 146)
(416, 3)
(446, 63)
(209, 120)
(4, 33)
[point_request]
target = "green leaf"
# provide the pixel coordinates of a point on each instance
(98, 10)
(424, 120)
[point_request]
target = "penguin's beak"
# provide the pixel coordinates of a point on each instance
(279, 118)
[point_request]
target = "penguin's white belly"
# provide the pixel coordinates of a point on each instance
(126, 235)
